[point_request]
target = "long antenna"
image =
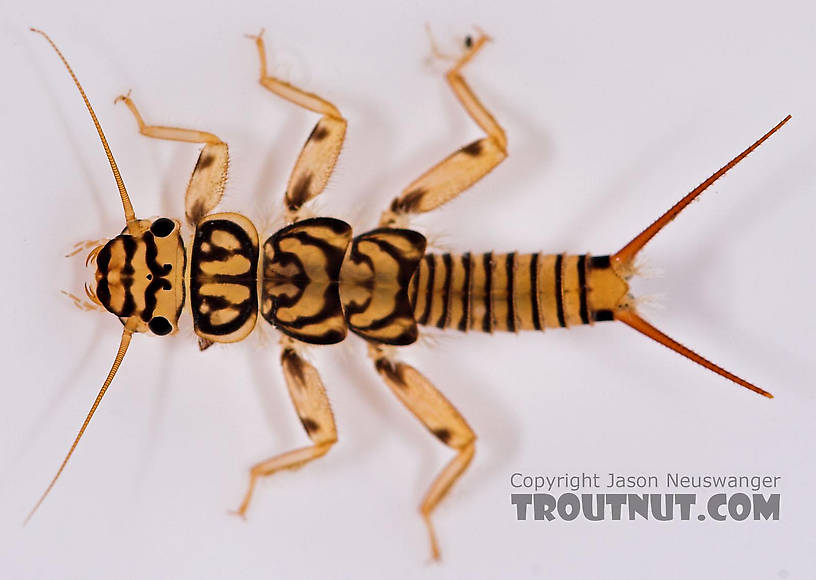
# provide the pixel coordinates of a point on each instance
(625, 256)
(130, 216)
(123, 346)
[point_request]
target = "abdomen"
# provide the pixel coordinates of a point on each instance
(508, 292)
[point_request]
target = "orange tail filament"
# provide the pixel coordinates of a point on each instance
(623, 260)
(630, 318)
(626, 255)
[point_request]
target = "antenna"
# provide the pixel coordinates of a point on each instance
(120, 355)
(130, 216)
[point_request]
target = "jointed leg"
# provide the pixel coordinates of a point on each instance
(312, 406)
(206, 186)
(463, 168)
(319, 155)
(440, 417)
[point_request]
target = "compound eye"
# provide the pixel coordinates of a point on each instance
(162, 227)
(160, 325)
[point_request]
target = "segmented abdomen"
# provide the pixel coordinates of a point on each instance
(510, 292)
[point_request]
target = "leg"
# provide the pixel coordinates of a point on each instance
(440, 417)
(207, 182)
(83, 305)
(85, 245)
(312, 406)
(319, 155)
(464, 167)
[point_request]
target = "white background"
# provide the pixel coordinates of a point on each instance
(613, 111)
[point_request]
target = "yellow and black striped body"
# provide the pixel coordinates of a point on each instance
(223, 277)
(140, 276)
(510, 292)
(313, 287)
(374, 285)
(314, 283)
(301, 271)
